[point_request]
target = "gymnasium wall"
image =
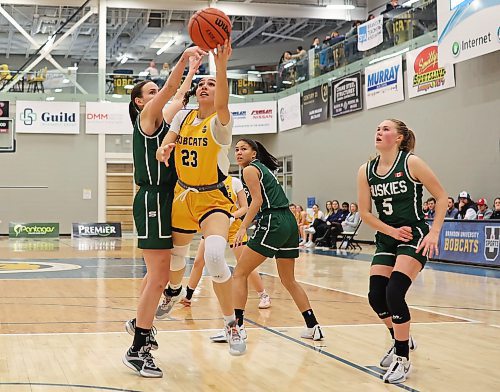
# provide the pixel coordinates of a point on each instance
(63, 165)
(457, 131)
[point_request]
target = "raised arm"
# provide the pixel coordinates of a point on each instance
(151, 115)
(221, 57)
(177, 102)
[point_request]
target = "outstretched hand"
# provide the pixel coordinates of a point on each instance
(163, 153)
(222, 54)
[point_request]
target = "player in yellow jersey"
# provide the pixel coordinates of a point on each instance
(235, 190)
(202, 139)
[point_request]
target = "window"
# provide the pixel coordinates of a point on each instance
(285, 175)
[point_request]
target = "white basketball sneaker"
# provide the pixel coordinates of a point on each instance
(386, 360)
(168, 303)
(237, 345)
(313, 333)
(265, 301)
(398, 371)
(221, 336)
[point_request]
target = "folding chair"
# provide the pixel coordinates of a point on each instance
(349, 238)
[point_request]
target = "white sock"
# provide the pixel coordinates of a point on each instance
(229, 319)
(174, 286)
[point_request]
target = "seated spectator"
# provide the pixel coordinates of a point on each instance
(425, 207)
(352, 219)
(467, 209)
(165, 71)
(483, 211)
(314, 219)
(496, 213)
(293, 210)
(319, 227)
(302, 223)
(334, 224)
(452, 211)
(431, 208)
(152, 70)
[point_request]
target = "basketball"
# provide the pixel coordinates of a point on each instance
(209, 27)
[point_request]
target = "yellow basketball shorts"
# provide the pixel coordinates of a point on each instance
(233, 229)
(188, 212)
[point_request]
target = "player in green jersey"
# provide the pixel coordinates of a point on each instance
(395, 181)
(153, 203)
(277, 234)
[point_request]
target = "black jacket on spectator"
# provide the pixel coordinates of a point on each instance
(338, 217)
(495, 215)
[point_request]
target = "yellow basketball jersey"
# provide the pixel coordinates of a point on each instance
(199, 158)
(228, 182)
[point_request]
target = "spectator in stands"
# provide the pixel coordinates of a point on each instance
(335, 38)
(370, 17)
(152, 70)
(496, 213)
(302, 223)
(286, 71)
(389, 25)
(302, 64)
(320, 226)
(425, 207)
(316, 44)
(334, 222)
(328, 209)
(483, 211)
(392, 5)
(467, 209)
(452, 211)
(354, 28)
(316, 217)
(431, 205)
(352, 219)
(293, 210)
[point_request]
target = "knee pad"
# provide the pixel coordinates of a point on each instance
(178, 259)
(377, 295)
(397, 287)
(215, 261)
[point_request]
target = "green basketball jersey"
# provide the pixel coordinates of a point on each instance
(397, 196)
(273, 195)
(147, 169)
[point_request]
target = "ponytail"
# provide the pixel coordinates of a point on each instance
(136, 92)
(262, 154)
(409, 140)
(191, 92)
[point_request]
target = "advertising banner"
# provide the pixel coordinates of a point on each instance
(289, 112)
(467, 29)
(252, 118)
(424, 74)
(475, 242)
(315, 104)
(384, 82)
(346, 95)
(370, 34)
(33, 230)
(96, 230)
(4, 109)
(109, 118)
(47, 117)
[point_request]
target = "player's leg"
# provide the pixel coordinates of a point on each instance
(286, 272)
(255, 282)
(173, 293)
(196, 273)
(138, 356)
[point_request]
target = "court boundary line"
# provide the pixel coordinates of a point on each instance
(42, 384)
(328, 354)
(218, 329)
(362, 296)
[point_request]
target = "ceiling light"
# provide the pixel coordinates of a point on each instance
(116, 96)
(340, 7)
(58, 90)
(124, 60)
(128, 86)
(143, 73)
(49, 98)
(65, 81)
(165, 47)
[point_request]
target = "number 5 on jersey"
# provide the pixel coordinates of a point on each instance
(386, 203)
(189, 158)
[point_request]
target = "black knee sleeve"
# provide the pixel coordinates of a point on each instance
(399, 284)
(377, 295)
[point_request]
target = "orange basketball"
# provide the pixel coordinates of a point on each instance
(209, 27)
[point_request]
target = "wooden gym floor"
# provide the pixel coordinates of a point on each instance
(63, 305)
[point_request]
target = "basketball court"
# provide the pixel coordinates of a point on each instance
(64, 303)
